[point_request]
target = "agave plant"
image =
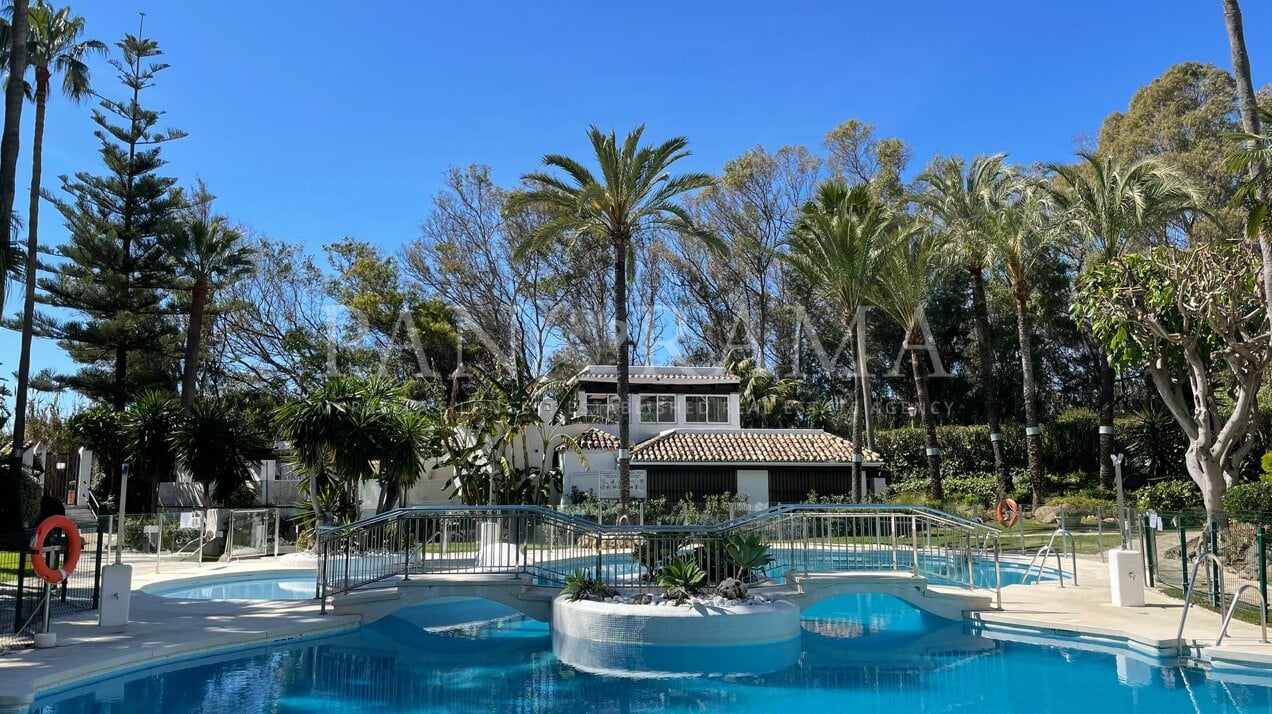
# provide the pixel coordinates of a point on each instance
(580, 585)
(748, 554)
(681, 578)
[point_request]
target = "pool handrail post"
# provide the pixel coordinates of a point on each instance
(914, 540)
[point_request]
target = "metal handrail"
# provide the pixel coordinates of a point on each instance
(1232, 610)
(546, 544)
(1192, 586)
(1042, 553)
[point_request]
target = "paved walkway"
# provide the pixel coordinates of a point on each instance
(163, 629)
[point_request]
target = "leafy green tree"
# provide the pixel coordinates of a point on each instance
(1114, 208)
(113, 274)
(208, 253)
(1193, 319)
(967, 199)
(54, 48)
(767, 401)
(838, 246)
(216, 444)
(635, 194)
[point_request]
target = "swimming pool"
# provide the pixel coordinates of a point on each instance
(859, 653)
(275, 585)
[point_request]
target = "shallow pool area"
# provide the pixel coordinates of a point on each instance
(273, 585)
(856, 653)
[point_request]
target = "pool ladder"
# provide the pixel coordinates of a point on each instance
(1204, 557)
(1049, 549)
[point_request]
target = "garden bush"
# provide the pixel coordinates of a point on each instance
(1250, 502)
(1171, 496)
(964, 449)
(1071, 442)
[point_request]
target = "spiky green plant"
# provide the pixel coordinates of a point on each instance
(681, 578)
(749, 554)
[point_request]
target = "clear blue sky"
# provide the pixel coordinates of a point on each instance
(316, 120)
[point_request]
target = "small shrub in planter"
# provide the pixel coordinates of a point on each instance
(682, 578)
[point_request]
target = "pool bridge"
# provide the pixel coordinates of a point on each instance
(521, 556)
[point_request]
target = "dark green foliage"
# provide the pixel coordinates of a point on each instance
(682, 578)
(1153, 443)
(148, 427)
(217, 445)
(581, 585)
(1250, 502)
(964, 449)
(1071, 442)
(749, 554)
(114, 277)
(1170, 496)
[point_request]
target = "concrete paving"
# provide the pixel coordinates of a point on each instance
(165, 628)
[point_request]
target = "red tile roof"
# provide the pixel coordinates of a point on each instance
(759, 446)
(597, 440)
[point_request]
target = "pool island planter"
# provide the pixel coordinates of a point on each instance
(698, 637)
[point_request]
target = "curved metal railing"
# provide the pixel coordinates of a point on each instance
(544, 546)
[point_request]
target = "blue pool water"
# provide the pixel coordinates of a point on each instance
(298, 585)
(867, 653)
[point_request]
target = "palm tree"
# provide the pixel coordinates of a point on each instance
(1254, 159)
(53, 46)
(1023, 235)
(148, 425)
(217, 444)
(966, 199)
(635, 194)
(208, 253)
(913, 263)
(765, 397)
(837, 246)
(13, 54)
(1115, 208)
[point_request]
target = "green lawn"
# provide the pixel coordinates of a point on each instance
(8, 565)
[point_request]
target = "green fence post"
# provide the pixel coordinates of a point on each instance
(1215, 595)
(1263, 566)
(1183, 554)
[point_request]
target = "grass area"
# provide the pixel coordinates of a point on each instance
(1246, 611)
(8, 565)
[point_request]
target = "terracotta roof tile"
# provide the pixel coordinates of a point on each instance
(597, 440)
(746, 446)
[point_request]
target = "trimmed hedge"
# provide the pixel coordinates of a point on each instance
(1170, 496)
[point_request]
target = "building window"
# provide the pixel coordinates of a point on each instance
(603, 407)
(707, 410)
(658, 409)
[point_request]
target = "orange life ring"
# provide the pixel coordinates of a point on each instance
(1007, 512)
(73, 545)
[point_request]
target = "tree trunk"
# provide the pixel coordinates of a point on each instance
(855, 488)
(194, 340)
(620, 334)
(863, 375)
(1107, 378)
(1247, 107)
(1208, 474)
(32, 262)
(985, 359)
(11, 498)
(1033, 434)
(936, 489)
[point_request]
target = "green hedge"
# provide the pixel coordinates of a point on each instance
(1171, 496)
(1250, 502)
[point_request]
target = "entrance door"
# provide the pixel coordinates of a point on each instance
(755, 486)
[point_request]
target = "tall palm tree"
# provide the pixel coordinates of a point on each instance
(13, 54)
(914, 261)
(634, 194)
(217, 444)
(1256, 157)
(53, 47)
(966, 198)
(1023, 235)
(1114, 208)
(208, 254)
(764, 396)
(837, 246)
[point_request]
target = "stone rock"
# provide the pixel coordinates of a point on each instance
(642, 599)
(731, 589)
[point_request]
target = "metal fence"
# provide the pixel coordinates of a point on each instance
(22, 592)
(545, 546)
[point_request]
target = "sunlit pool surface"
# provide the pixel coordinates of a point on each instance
(868, 653)
(298, 585)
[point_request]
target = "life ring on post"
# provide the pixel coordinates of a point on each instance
(73, 545)
(1007, 512)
